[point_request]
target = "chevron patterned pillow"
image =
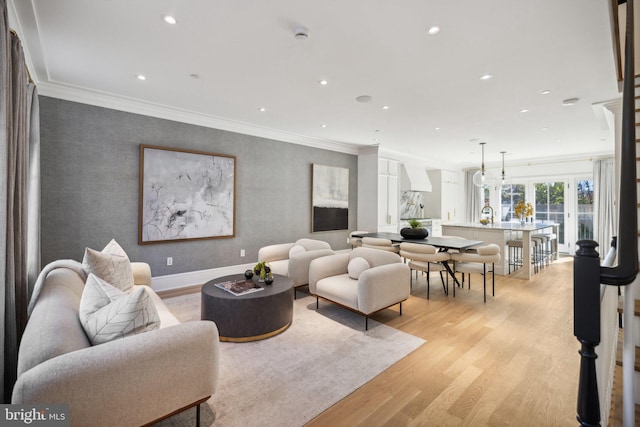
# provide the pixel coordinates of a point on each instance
(107, 313)
(111, 265)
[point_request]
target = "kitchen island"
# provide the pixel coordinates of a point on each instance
(501, 232)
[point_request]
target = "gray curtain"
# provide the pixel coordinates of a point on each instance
(604, 203)
(19, 184)
(475, 202)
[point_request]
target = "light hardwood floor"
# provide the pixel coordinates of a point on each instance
(510, 362)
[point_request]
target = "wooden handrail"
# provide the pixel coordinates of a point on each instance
(588, 274)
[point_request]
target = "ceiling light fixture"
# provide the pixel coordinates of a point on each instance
(524, 110)
(323, 125)
(262, 109)
(194, 76)
(301, 33)
(324, 82)
(141, 77)
(385, 107)
(169, 19)
(432, 31)
(503, 153)
(482, 144)
(545, 92)
(364, 98)
(486, 77)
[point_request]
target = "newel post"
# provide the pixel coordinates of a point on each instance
(586, 328)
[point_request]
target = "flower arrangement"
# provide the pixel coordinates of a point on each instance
(262, 269)
(523, 210)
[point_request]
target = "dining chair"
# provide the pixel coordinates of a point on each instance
(477, 263)
(425, 258)
(378, 243)
(356, 241)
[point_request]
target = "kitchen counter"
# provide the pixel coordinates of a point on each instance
(499, 233)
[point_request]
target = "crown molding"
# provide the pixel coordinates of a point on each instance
(136, 106)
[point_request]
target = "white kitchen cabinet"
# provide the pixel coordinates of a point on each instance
(444, 200)
(388, 195)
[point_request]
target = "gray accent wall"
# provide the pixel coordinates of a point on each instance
(90, 180)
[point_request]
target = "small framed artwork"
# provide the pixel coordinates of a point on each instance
(185, 195)
(330, 198)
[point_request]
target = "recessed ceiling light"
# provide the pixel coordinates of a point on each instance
(436, 128)
(433, 30)
(169, 19)
(544, 129)
(545, 92)
(194, 76)
(385, 107)
(323, 125)
(377, 130)
(364, 98)
(324, 82)
(570, 101)
(486, 77)
(524, 110)
(262, 109)
(301, 33)
(141, 77)
(375, 139)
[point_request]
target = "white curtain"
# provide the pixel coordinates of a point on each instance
(604, 203)
(475, 201)
(19, 197)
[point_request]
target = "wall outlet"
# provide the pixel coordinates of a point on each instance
(241, 252)
(348, 240)
(169, 260)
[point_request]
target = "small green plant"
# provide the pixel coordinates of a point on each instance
(262, 269)
(414, 223)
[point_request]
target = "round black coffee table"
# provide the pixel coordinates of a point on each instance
(249, 317)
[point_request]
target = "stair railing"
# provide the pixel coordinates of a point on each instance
(588, 274)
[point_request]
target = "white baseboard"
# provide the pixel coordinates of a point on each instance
(191, 278)
(200, 277)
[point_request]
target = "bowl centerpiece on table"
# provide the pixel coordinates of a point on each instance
(414, 231)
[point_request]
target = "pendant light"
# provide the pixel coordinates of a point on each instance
(482, 144)
(503, 153)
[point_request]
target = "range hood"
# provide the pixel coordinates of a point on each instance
(418, 178)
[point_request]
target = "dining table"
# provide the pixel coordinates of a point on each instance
(444, 244)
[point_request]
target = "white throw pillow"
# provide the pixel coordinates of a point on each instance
(356, 267)
(111, 265)
(107, 313)
(295, 250)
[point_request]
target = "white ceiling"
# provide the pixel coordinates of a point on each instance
(247, 57)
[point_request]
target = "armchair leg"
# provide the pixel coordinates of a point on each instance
(366, 323)
(198, 415)
(317, 302)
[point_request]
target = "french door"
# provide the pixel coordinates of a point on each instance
(551, 203)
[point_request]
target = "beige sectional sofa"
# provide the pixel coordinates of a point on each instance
(364, 280)
(130, 381)
(293, 259)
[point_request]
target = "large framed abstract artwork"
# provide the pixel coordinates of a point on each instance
(185, 195)
(330, 198)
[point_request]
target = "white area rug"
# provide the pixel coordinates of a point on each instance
(289, 379)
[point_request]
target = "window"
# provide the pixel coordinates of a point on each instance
(584, 188)
(511, 195)
(550, 205)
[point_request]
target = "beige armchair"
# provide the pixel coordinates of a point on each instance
(364, 280)
(293, 259)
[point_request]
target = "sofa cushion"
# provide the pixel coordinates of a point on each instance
(295, 250)
(357, 266)
(111, 265)
(106, 313)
